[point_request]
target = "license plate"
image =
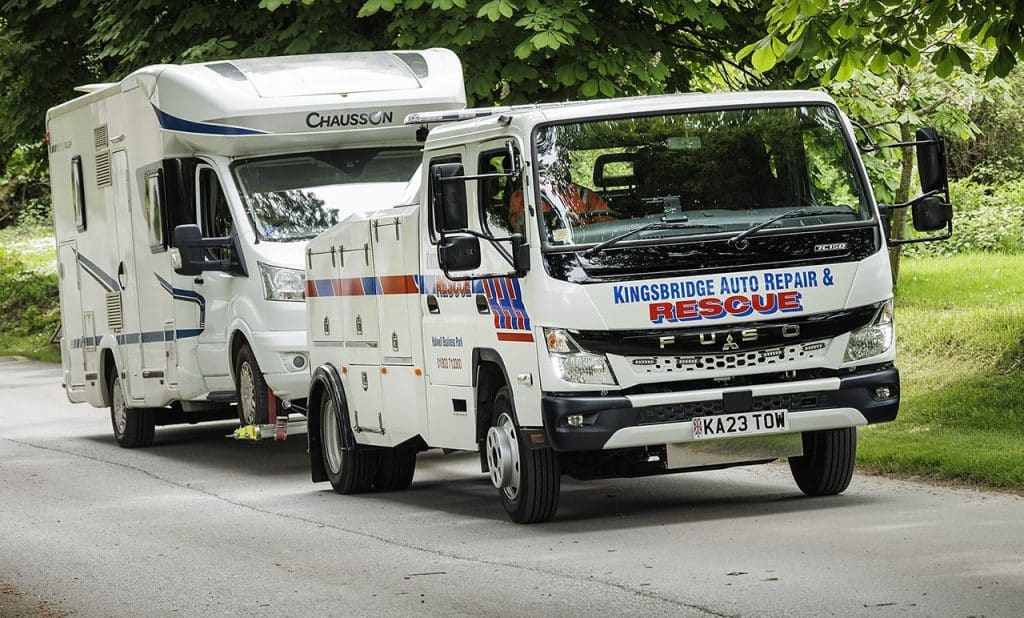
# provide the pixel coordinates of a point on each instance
(742, 424)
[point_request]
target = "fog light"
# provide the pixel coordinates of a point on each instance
(883, 392)
(299, 361)
(574, 420)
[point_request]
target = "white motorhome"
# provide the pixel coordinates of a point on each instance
(613, 288)
(183, 199)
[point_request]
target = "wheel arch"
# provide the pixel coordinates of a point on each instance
(325, 382)
(235, 342)
(108, 369)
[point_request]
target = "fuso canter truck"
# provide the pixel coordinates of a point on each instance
(183, 198)
(613, 288)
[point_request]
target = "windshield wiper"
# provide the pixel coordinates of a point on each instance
(739, 241)
(653, 225)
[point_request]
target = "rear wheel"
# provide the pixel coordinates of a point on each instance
(350, 471)
(826, 466)
(528, 480)
(253, 394)
(395, 468)
(133, 427)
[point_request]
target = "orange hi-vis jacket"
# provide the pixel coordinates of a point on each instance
(577, 200)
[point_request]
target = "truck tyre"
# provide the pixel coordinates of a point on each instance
(350, 471)
(133, 427)
(395, 468)
(826, 466)
(253, 394)
(528, 480)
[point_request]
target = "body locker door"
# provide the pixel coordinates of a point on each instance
(73, 343)
(130, 337)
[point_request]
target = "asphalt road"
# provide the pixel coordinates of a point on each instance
(202, 525)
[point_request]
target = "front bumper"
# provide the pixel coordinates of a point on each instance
(618, 421)
(273, 349)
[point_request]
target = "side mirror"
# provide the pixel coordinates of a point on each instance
(931, 214)
(931, 160)
(188, 240)
(448, 193)
(615, 169)
(459, 252)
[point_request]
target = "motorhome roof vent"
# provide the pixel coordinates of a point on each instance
(103, 169)
(228, 70)
(99, 137)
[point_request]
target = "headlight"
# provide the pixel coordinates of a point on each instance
(573, 364)
(873, 339)
(283, 283)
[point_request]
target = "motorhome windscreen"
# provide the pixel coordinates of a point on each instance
(295, 197)
(697, 173)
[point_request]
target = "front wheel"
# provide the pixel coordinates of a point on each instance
(253, 393)
(528, 480)
(826, 467)
(350, 471)
(133, 427)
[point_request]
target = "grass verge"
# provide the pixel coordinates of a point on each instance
(960, 338)
(29, 305)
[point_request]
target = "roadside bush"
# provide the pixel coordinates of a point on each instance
(25, 187)
(28, 298)
(986, 218)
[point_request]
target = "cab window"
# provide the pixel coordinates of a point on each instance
(501, 198)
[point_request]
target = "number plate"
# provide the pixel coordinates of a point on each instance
(742, 424)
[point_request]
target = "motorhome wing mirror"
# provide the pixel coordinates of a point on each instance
(931, 160)
(459, 252)
(931, 214)
(615, 169)
(449, 196)
(187, 240)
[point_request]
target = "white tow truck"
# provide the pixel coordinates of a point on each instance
(183, 198)
(613, 288)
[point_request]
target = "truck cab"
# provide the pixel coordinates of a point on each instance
(614, 288)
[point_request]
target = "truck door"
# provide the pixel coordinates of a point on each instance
(130, 336)
(218, 288)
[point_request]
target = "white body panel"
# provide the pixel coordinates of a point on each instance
(173, 335)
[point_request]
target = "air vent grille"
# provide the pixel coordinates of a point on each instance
(115, 317)
(99, 137)
(103, 169)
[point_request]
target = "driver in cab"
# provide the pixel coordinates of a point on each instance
(560, 199)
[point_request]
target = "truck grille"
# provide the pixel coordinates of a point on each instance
(679, 412)
(697, 363)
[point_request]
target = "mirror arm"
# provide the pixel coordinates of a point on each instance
(494, 240)
(919, 198)
(909, 241)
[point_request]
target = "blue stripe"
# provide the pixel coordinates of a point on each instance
(133, 338)
(173, 123)
(187, 296)
(323, 287)
(370, 287)
(109, 283)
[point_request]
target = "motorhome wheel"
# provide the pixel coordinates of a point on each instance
(253, 394)
(133, 427)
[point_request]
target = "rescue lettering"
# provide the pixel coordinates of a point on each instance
(715, 307)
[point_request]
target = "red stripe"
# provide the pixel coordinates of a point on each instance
(351, 287)
(310, 289)
(515, 337)
(336, 286)
(398, 284)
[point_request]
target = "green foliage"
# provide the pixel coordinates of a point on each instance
(968, 424)
(24, 187)
(833, 41)
(29, 304)
(986, 218)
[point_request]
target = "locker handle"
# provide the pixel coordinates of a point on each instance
(481, 304)
(432, 305)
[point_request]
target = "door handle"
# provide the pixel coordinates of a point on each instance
(481, 304)
(432, 305)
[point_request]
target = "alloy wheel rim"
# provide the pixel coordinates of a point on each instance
(503, 460)
(120, 415)
(331, 438)
(248, 393)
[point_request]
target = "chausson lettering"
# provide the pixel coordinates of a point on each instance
(317, 120)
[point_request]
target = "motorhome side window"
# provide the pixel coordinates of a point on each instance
(213, 206)
(500, 198)
(153, 207)
(78, 193)
(433, 224)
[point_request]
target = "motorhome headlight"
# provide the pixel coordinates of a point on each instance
(574, 364)
(283, 283)
(873, 339)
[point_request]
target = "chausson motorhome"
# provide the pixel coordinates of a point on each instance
(183, 199)
(613, 288)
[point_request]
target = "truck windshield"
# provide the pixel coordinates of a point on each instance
(295, 197)
(721, 171)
